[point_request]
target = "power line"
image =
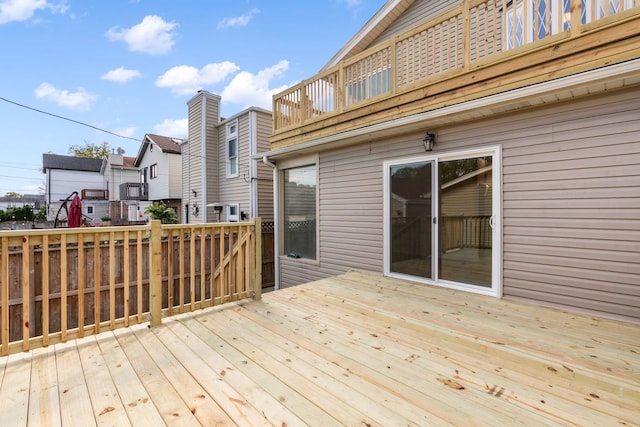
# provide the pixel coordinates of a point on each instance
(68, 119)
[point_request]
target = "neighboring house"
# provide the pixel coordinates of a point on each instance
(68, 174)
(221, 180)
(36, 201)
(531, 190)
(160, 172)
(119, 172)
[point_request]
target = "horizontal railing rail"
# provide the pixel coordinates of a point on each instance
(60, 284)
(466, 37)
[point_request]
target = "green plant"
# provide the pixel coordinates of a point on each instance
(160, 211)
(106, 218)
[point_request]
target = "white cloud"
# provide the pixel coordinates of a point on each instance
(21, 10)
(81, 100)
(238, 21)
(129, 131)
(173, 128)
(253, 89)
(153, 35)
(184, 79)
(120, 75)
(351, 3)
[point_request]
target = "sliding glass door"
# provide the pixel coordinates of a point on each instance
(411, 216)
(440, 222)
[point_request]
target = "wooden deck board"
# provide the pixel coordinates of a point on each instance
(44, 402)
(357, 349)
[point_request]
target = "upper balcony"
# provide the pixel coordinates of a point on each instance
(94, 194)
(134, 191)
(479, 48)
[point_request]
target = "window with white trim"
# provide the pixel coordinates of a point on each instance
(232, 149)
(299, 210)
(153, 171)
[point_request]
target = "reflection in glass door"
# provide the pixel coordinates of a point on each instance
(464, 220)
(410, 202)
(441, 218)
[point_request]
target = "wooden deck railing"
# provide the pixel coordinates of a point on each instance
(60, 284)
(469, 36)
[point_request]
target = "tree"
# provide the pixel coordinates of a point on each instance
(160, 211)
(13, 194)
(90, 150)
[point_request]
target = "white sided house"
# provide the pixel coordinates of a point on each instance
(119, 172)
(489, 146)
(68, 174)
(222, 179)
(160, 172)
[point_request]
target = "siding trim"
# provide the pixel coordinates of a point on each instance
(203, 154)
(253, 167)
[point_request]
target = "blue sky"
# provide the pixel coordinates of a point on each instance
(130, 66)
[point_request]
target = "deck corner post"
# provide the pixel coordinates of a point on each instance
(257, 280)
(155, 273)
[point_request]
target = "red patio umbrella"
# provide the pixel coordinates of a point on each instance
(75, 213)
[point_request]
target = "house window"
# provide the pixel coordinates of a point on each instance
(232, 150)
(153, 171)
(527, 20)
(90, 210)
(299, 203)
(232, 212)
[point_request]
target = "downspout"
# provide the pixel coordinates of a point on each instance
(276, 222)
(253, 163)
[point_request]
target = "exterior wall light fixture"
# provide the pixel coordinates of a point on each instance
(429, 141)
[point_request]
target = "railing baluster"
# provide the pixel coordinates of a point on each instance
(126, 272)
(4, 290)
(155, 273)
(139, 276)
(112, 280)
(64, 283)
(192, 268)
(45, 290)
(203, 277)
(81, 284)
(96, 283)
(182, 272)
(25, 294)
(170, 283)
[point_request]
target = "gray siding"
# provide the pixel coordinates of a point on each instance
(191, 159)
(571, 203)
(200, 150)
(234, 190)
(418, 12)
(211, 156)
(264, 126)
(350, 215)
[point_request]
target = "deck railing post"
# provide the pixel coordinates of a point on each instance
(576, 17)
(257, 281)
(155, 273)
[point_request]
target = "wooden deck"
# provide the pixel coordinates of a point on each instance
(356, 349)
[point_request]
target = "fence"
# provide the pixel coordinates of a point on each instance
(60, 284)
